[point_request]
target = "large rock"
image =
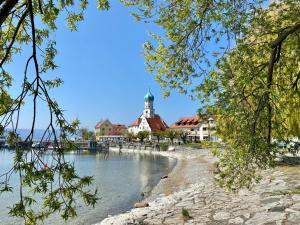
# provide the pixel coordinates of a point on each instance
(265, 217)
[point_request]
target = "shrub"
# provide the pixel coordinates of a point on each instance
(164, 146)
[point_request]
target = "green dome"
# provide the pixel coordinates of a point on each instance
(149, 96)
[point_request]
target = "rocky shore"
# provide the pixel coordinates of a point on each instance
(190, 186)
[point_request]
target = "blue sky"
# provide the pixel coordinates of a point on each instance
(104, 73)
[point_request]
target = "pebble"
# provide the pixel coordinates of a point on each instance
(209, 204)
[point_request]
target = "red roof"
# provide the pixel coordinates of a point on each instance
(136, 123)
(115, 132)
(157, 124)
(119, 126)
(187, 122)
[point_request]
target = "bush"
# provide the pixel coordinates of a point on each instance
(164, 146)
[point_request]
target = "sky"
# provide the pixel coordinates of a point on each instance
(104, 72)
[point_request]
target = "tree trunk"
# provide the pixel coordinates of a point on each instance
(7, 6)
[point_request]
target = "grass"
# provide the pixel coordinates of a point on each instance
(185, 214)
(288, 161)
(289, 164)
(203, 144)
(287, 192)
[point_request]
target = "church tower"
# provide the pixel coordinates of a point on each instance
(148, 108)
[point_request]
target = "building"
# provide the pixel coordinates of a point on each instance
(118, 129)
(106, 131)
(148, 121)
(103, 128)
(198, 128)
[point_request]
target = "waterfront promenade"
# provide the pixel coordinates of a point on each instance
(191, 186)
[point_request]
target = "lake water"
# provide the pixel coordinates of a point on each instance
(120, 178)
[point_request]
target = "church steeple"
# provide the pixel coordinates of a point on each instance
(149, 96)
(148, 108)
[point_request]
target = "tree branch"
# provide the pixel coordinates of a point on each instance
(285, 33)
(5, 10)
(14, 37)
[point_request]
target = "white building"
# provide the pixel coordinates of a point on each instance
(197, 128)
(148, 121)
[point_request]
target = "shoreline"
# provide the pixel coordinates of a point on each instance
(191, 186)
(154, 193)
(175, 181)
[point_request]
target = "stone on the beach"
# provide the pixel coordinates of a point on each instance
(296, 206)
(141, 204)
(265, 217)
(246, 215)
(294, 218)
(210, 204)
(296, 197)
(237, 220)
(221, 216)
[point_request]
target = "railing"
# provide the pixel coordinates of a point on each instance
(137, 146)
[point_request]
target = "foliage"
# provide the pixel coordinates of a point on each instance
(164, 146)
(130, 135)
(158, 134)
(294, 191)
(142, 135)
(171, 134)
(241, 60)
(204, 144)
(85, 134)
(182, 134)
(185, 213)
(30, 24)
(255, 94)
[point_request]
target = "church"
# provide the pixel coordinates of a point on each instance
(148, 121)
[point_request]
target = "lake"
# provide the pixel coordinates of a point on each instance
(120, 179)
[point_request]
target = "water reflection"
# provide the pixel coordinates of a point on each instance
(119, 178)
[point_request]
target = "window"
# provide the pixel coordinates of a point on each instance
(204, 128)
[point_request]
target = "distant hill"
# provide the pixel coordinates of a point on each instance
(38, 133)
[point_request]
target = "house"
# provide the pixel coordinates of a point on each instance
(148, 121)
(103, 128)
(198, 128)
(106, 131)
(118, 129)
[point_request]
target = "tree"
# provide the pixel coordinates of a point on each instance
(24, 24)
(250, 78)
(158, 135)
(246, 98)
(85, 134)
(142, 135)
(183, 135)
(130, 135)
(260, 91)
(171, 134)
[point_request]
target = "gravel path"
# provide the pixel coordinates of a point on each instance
(191, 186)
